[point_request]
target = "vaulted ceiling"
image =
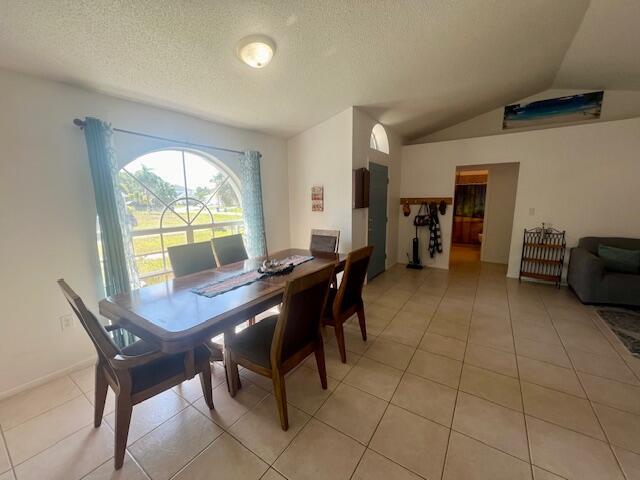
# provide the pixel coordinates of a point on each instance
(415, 65)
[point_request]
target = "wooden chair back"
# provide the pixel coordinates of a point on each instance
(102, 341)
(191, 258)
(229, 249)
(324, 240)
(355, 271)
(298, 324)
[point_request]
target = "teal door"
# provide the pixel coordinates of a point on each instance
(378, 182)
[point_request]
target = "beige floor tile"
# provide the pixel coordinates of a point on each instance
(333, 363)
(546, 352)
(452, 330)
(71, 458)
(353, 412)
(562, 409)
(374, 377)
(609, 392)
(130, 471)
(227, 410)
(411, 441)
(491, 359)
(7, 475)
(612, 368)
(570, 454)
(426, 398)
(630, 463)
(535, 331)
(39, 433)
(622, 428)
(587, 341)
(191, 389)
(491, 386)
(470, 459)
(4, 458)
(30, 403)
(540, 474)
(168, 448)
(304, 389)
(499, 338)
(447, 346)
(402, 332)
(319, 452)
(393, 299)
(272, 475)
(390, 353)
(260, 430)
(436, 367)
(376, 467)
(420, 306)
(84, 378)
(224, 458)
(548, 375)
(151, 413)
(380, 312)
(497, 426)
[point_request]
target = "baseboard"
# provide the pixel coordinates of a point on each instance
(47, 378)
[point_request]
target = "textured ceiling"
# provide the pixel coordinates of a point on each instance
(606, 50)
(417, 66)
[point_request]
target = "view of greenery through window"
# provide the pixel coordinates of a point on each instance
(175, 197)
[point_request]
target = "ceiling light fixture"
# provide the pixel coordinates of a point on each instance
(256, 50)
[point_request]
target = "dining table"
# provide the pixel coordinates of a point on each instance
(175, 319)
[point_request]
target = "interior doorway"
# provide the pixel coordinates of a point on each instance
(484, 206)
(468, 215)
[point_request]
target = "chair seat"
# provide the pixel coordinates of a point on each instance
(146, 376)
(254, 343)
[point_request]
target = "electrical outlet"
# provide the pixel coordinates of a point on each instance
(66, 321)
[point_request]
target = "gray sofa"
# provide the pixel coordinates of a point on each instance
(592, 283)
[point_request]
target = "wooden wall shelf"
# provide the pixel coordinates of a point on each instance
(421, 200)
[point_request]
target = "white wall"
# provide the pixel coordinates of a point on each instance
(616, 105)
(47, 210)
(582, 179)
(321, 156)
(500, 204)
(363, 154)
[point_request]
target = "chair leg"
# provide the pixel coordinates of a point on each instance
(123, 419)
(340, 338)
(281, 399)
(100, 395)
(205, 382)
(322, 369)
(363, 325)
(232, 375)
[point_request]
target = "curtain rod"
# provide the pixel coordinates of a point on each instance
(81, 123)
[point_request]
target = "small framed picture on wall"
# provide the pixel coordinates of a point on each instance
(317, 199)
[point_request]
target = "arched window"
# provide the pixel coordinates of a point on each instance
(378, 140)
(174, 197)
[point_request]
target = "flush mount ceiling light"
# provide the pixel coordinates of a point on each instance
(256, 50)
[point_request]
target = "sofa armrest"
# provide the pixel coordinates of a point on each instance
(585, 274)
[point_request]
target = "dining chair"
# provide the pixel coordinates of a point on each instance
(191, 258)
(229, 249)
(324, 240)
(135, 372)
(345, 301)
(279, 343)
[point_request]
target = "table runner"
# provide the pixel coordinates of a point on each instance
(214, 289)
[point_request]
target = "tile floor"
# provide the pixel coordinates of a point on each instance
(466, 375)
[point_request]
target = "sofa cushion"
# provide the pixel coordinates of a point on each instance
(619, 259)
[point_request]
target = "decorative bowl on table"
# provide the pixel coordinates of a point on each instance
(275, 267)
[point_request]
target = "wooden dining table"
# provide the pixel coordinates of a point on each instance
(174, 319)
